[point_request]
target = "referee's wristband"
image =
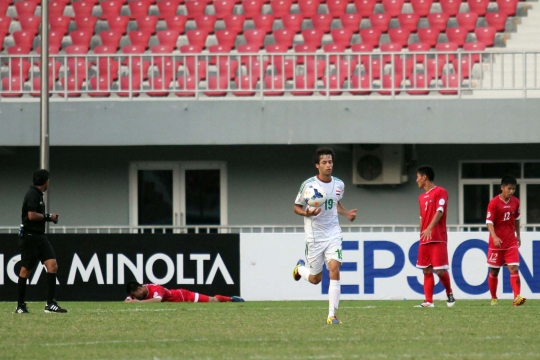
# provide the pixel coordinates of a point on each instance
(48, 217)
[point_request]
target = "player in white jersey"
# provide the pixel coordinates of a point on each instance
(323, 234)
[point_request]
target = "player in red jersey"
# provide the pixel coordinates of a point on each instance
(433, 252)
(502, 221)
(157, 293)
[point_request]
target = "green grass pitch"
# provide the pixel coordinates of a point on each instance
(272, 330)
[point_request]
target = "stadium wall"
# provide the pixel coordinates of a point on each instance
(90, 185)
(422, 121)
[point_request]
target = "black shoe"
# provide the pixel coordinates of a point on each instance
(54, 308)
(21, 309)
(451, 301)
(236, 299)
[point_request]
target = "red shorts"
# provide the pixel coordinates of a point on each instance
(183, 295)
(497, 258)
(434, 254)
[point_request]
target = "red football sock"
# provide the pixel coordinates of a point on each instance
(222, 298)
(493, 281)
(429, 284)
(445, 279)
(203, 298)
(516, 284)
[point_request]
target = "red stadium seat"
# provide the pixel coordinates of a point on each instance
(30, 23)
(450, 7)
(336, 8)
(409, 21)
(25, 8)
(293, 22)
(497, 20)
(252, 8)
(36, 86)
(255, 37)
(404, 67)
(227, 68)
(12, 86)
(167, 8)
(363, 48)
(139, 67)
(450, 82)
(110, 8)
(245, 85)
(2, 36)
(159, 87)
(347, 67)
(342, 36)
(264, 23)
(147, 24)
(101, 86)
(322, 22)
(206, 23)
(274, 85)
(373, 66)
(4, 25)
(17, 50)
(467, 20)
(118, 23)
(333, 48)
(284, 67)
(23, 39)
(191, 49)
(466, 67)
(284, 37)
(419, 81)
(351, 22)
(107, 66)
(303, 49)
(507, 7)
(76, 50)
(3, 7)
(446, 47)
(162, 49)
(419, 47)
(304, 84)
(389, 81)
(167, 67)
(281, 8)
(334, 84)
(226, 38)
(235, 23)
(370, 36)
(312, 37)
(60, 24)
(421, 7)
(478, 6)
(428, 36)
(110, 38)
(456, 35)
(130, 50)
(255, 68)
(88, 24)
(197, 37)
(20, 68)
(82, 8)
(390, 47)
(217, 86)
(71, 86)
(78, 67)
(380, 22)
(399, 36)
(186, 86)
(434, 68)
(138, 9)
(196, 67)
(438, 21)
(130, 85)
(393, 7)
(308, 8)
(139, 38)
(365, 7)
(168, 38)
(223, 8)
(474, 46)
(176, 23)
(195, 8)
(485, 35)
(360, 85)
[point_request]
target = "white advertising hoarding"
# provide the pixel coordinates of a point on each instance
(379, 266)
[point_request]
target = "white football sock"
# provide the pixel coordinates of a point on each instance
(334, 292)
(304, 272)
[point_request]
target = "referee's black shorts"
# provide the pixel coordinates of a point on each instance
(34, 248)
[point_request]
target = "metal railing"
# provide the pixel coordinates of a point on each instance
(383, 75)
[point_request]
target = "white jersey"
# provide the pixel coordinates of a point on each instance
(325, 226)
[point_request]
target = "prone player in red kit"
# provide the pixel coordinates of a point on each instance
(157, 293)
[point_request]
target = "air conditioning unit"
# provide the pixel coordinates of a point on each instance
(375, 164)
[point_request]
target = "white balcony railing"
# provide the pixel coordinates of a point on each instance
(375, 75)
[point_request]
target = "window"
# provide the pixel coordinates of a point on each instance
(480, 181)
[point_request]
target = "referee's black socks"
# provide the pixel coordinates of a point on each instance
(22, 290)
(51, 285)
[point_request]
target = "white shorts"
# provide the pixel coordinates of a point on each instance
(321, 252)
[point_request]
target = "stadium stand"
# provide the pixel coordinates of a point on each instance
(96, 43)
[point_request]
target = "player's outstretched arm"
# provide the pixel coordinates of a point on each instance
(131, 300)
(349, 214)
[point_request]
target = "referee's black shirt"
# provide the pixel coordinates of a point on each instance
(33, 201)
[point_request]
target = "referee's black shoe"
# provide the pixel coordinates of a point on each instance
(21, 309)
(54, 308)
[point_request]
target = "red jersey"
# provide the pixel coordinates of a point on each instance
(430, 202)
(503, 216)
(158, 291)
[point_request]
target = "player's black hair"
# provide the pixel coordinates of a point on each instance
(508, 180)
(40, 177)
(132, 286)
(426, 170)
(323, 151)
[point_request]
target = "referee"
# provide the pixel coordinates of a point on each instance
(33, 243)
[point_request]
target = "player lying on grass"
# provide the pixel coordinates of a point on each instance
(157, 293)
